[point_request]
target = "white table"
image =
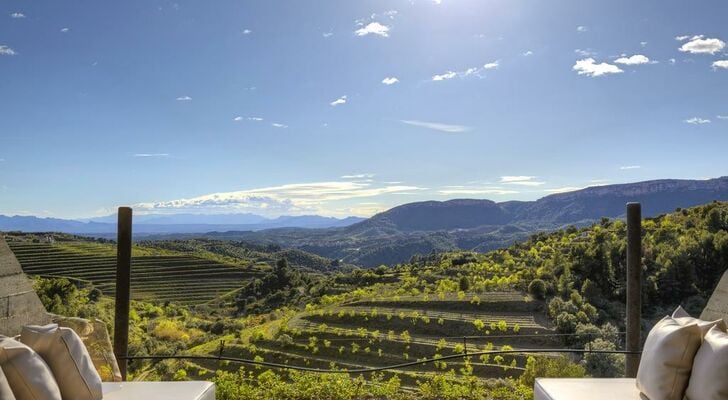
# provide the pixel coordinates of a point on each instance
(187, 390)
(585, 388)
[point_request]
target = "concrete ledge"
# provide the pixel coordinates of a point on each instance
(585, 389)
(188, 390)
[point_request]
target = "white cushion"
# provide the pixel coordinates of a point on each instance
(28, 375)
(682, 316)
(188, 390)
(709, 380)
(5, 392)
(585, 389)
(667, 359)
(68, 359)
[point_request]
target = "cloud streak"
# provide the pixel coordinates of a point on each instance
(437, 126)
(294, 199)
(151, 155)
(521, 180)
(697, 121)
(472, 71)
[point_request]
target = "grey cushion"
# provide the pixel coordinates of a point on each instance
(28, 375)
(66, 355)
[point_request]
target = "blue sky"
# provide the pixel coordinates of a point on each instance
(348, 108)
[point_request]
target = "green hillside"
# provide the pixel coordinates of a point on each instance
(556, 290)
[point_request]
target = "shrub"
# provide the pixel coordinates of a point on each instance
(537, 289)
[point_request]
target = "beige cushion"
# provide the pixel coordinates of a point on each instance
(67, 358)
(682, 316)
(667, 359)
(5, 392)
(709, 380)
(28, 375)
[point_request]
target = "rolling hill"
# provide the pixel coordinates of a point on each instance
(396, 235)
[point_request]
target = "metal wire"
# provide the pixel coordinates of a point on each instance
(373, 369)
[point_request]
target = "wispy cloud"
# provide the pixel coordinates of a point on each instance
(437, 126)
(699, 44)
(327, 34)
(374, 28)
(151, 155)
(682, 38)
(589, 67)
(298, 198)
(390, 80)
(184, 98)
(17, 15)
(358, 176)
(247, 31)
(444, 76)
(472, 71)
(278, 125)
(6, 51)
(585, 52)
(475, 190)
(636, 59)
(522, 180)
(65, 30)
(241, 118)
(527, 53)
(628, 167)
(340, 101)
(582, 28)
(722, 116)
(697, 121)
(722, 64)
(492, 65)
(564, 189)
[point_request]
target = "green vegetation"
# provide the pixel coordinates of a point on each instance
(569, 281)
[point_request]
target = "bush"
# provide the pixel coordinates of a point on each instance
(537, 289)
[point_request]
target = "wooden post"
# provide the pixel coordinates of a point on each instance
(123, 283)
(634, 287)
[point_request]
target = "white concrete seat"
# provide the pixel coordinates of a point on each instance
(188, 390)
(585, 389)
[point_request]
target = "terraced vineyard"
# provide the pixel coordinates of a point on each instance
(157, 275)
(395, 330)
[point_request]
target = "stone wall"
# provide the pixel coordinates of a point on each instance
(19, 305)
(717, 306)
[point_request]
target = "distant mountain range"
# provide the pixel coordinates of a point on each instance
(416, 228)
(171, 223)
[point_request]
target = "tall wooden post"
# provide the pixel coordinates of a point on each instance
(634, 287)
(123, 283)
